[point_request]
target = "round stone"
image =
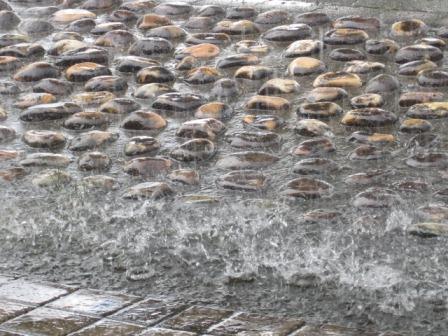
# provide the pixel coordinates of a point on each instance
(63, 46)
(81, 26)
(252, 47)
(376, 198)
(382, 84)
(119, 106)
(148, 166)
(6, 133)
(51, 178)
(199, 51)
(237, 60)
(73, 14)
(202, 75)
(315, 166)
(218, 39)
(150, 21)
(357, 22)
(86, 120)
(94, 55)
(138, 6)
(106, 83)
(12, 174)
(267, 103)
(46, 112)
(151, 46)
(178, 102)
(185, 176)
(36, 27)
(170, 33)
(152, 90)
(418, 52)
(263, 122)
(141, 145)
(216, 110)
(429, 230)
(412, 186)
(347, 36)
(253, 139)
(134, 63)
(8, 63)
(367, 100)
(279, 86)
(120, 39)
(243, 180)
(303, 66)
(363, 67)
(193, 150)
(381, 47)
(23, 50)
(433, 78)
(312, 128)
(92, 140)
(338, 79)
(241, 12)
(199, 23)
(367, 152)
(370, 117)
(307, 188)
(238, 28)
(433, 110)
(211, 10)
(93, 98)
(149, 190)
(225, 88)
(435, 42)
(246, 160)
(254, 72)
(346, 55)
(313, 19)
(314, 147)
(408, 99)
(31, 99)
(36, 71)
(424, 141)
(207, 128)
(46, 160)
(288, 33)
(173, 8)
(53, 86)
(427, 159)
(44, 139)
(123, 15)
(155, 74)
(105, 27)
(324, 94)
(271, 17)
(414, 67)
(143, 120)
(411, 125)
(8, 20)
(99, 182)
(302, 48)
(94, 161)
(408, 28)
(187, 63)
(82, 72)
(319, 110)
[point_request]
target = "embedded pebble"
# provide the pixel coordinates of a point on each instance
(267, 103)
(86, 120)
(243, 180)
(6, 133)
(202, 75)
(207, 128)
(154, 74)
(369, 116)
(194, 150)
(140, 145)
(215, 110)
(347, 36)
(288, 33)
(408, 28)
(9, 63)
(148, 166)
(170, 32)
(106, 83)
(315, 166)
(93, 98)
(338, 79)
(237, 60)
(152, 90)
(432, 78)
(54, 86)
(150, 21)
(254, 72)
(241, 27)
(432, 110)
(119, 106)
(53, 111)
(312, 128)
(381, 47)
(363, 67)
(382, 84)
(46, 160)
(263, 122)
(313, 19)
(271, 17)
(376, 197)
(346, 55)
(92, 140)
(411, 125)
(253, 139)
(408, 99)
(225, 88)
(185, 176)
(324, 94)
(151, 46)
(36, 71)
(247, 160)
(134, 63)
(367, 100)
(12, 174)
(82, 72)
(428, 160)
(314, 147)
(153, 190)
(94, 161)
(218, 39)
(279, 86)
(178, 102)
(414, 67)
(303, 48)
(302, 66)
(319, 110)
(44, 139)
(357, 22)
(199, 51)
(367, 152)
(418, 52)
(429, 230)
(51, 178)
(143, 120)
(308, 188)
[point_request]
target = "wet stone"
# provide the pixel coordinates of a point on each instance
(88, 54)
(433, 110)
(202, 75)
(106, 83)
(338, 79)
(9, 63)
(433, 78)
(119, 106)
(279, 86)
(412, 186)
(373, 138)
(246, 160)
(31, 292)
(194, 150)
(150, 21)
(96, 5)
(70, 15)
(211, 10)
(173, 8)
(408, 28)
(357, 22)
(433, 213)
(23, 50)
(334, 330)
(51, 178)
(313, 19)
(428, 160)
(424, 140)
(346, 55)
(9, 88)
(312, 128)
(109, 326)
(382, 84)
(363, 67)
(148, 166)
(81, 26)
(303, 66)
(63, 46)
(94, 161)
(120, 39)
(215, 110)
(93, 98)
(267, 103)
(151, 46)
(236, 28)
(82, 72)
(53, 86)
(36, 27)
(263, 122)
(319, 110)
(376, 197)
(242, 180)
(99, 182)
(367, 100)
(54, 111)
(152, 90)
(184, 176)
(414, 67)
(288, 33)
(435, 42)
(199, 51)
(44, 139)
(178, 102)
(36, 71)
(418, 52)
(271, 17)
(92, 140)
(367, 152)
(46, 160)
(254, 139)
(347, 36)
(105, 27)
(123, 15)
(171, 32)
(11, 175)
(196, 319)
(315, 166)
(151, 190)
(207, 128)
(8, 20)
(64, 35)
(11, 39)
(429, 230)
(6, 133)
(408, 99)
(241, 12)
(7, 155)
(225, 88)
(141, 145)
(303, 48)
(237, 60)
(199, 22)
(218, 39)
(9, 310)
(154, 74)
(134, 63)
(411, 125)
(314, 147)
(252, 47)
(138, 6)
(187, 63)
(324, 94)
(143, 120)
(3, 114)
(86, 120)
(307, 188)
(370, 116)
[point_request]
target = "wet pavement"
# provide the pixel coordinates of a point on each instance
(38, 308)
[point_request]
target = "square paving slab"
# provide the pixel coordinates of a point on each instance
(7, 333)
(149, 311)
(196, 319)
(165, 332)
(245, 324)
(49, 322)
(9, 310)
(92, 302)
(30, 292)
(108, 327)
(332, 330)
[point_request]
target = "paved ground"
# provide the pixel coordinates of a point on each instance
(31, 308)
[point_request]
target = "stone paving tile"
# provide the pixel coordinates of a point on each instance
(108, 327)
(332, 330)
(196, 319)
(30, 292)
(48, 322)
(9, 310)
(7, 333)
(149, 312)
(92, 302)
(256, 325)
(165, 332)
